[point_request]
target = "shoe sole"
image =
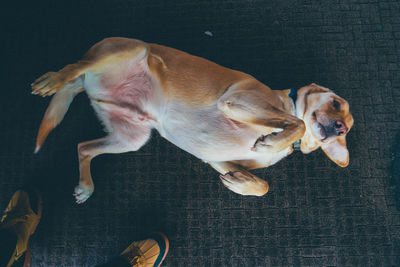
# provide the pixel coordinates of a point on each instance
(166, 247)
(28, 253)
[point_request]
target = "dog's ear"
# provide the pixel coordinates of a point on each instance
(311, 89)
(337, 151)
(301, 103)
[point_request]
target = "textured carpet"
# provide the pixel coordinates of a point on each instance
(316, 214)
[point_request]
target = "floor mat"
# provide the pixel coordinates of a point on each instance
(316, 213)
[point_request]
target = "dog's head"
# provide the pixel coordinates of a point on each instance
(327, 119)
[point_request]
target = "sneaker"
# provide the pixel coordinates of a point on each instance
(147, 253)
(22, 216)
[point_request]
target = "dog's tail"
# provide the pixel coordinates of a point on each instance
(57, 109)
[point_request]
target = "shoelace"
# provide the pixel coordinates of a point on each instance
(136, 261)
(135, 257)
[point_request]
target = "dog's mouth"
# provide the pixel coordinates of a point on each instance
(319, 128)
(325, 127)
(322, 131)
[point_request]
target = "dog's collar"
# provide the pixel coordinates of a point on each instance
(296, 145)
(293, 96)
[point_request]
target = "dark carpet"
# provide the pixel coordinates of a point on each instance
(316, 214)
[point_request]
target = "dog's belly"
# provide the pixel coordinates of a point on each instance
(206, 133)
(124, 97)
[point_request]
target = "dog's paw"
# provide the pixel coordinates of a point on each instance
(244, 184)
(264, 144)
(82, 193)
(48, 84)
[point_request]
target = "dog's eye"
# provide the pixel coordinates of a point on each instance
(336, 104)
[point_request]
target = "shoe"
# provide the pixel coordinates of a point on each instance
(147, 253)
(22, 216)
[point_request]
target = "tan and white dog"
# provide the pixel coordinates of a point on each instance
(224, 117)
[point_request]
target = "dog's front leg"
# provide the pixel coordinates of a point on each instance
(252, 107)
(239, 180)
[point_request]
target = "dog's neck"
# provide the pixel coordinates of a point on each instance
(293, 96)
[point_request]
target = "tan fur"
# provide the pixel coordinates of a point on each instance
(312, 98)
(258, 123)
(180, 71)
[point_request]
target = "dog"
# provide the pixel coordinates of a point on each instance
(222, 116)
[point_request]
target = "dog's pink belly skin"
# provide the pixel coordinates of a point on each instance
(124, 98)
(134, 89)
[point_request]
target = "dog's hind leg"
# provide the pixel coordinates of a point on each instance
(95, 60)
(239, 180)
(114, 143)
(68, 81)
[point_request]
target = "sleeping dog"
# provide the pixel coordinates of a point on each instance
(225, 117)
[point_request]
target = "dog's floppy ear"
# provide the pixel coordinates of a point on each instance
(314, 88)
(337, 151)
(301, 103)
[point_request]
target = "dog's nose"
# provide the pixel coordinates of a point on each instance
(340, 127)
